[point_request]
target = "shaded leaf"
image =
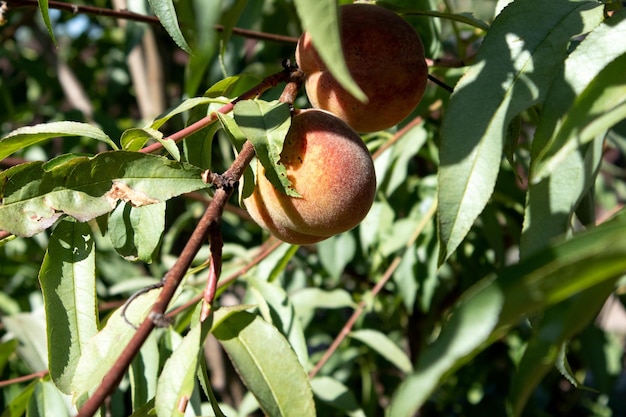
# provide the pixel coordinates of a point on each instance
(32, 198)
(186, 105)
(267, 365)
(385, 347)
(551, 200)
(337, 395)
(43, 8)
(497, 302)
(515, 66)
(30, 135)
(560, 323)
(136, 231)
(320, 18)
(68, 283)
(177, 380)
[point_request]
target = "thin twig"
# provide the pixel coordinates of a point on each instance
(267, 83)
(24, 378)
(347, 328)
(137, 17)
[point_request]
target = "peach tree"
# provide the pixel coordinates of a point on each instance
(462, 253)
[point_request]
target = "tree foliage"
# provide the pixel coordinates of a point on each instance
(476, 283)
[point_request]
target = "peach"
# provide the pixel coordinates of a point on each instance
(385, 57)
(330, 167)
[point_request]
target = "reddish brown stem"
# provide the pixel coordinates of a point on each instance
(128, 15)
(267, 83)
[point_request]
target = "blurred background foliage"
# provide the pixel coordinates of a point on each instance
(120, 73)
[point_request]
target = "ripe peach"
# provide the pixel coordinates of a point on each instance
(385, 57)
(330, 167)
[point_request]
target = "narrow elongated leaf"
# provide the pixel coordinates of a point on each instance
(497, 302)
(560, 323)
(552, 199)
(186, 105)
(32, 197)
(30, 135)
(144, 372)
(515, 66)
(136, 231)
(380, 343)
(43, 8)
(278, 309)
(30, 329)
(103, 349)
(177, 380)
(165, 11)
(265, 124)
(598, 108)
(47, 401)
(321, 19)
(337, 395)
(68, 283)
(267, 365)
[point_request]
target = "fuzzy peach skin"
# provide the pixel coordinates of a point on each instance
(330, 167)
(385, 57)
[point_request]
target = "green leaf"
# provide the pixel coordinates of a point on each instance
(136, 231)
(177, 380)
(103, 349)
(134, 139)
(18, 405)
(385, 347)
(467, 18)
(599, 107)
(552, 200)
(278, 309)
(200, 16)
(186, 105)
(68, 283)
(238, 138)
(30, 330)
(33, 198)
(515, 66)
(165, 11)
(43, 7)
(337, 395)
(30, 135)
(560, 323)
(336, 253)
(307, 300)
(320, 18)
(144, 372)
(267, 365)
(265, 124)
(47, 401)
(495, 303)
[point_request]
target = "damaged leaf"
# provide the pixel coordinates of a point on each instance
(32, 198)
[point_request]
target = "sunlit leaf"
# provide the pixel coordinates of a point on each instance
(321, 19)
(177, 380)
(32, 198)
(267, 365)
(30, 135)
(136, 231)
(68, 283)
(515, 66)
(165, 11)
(265, 124)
